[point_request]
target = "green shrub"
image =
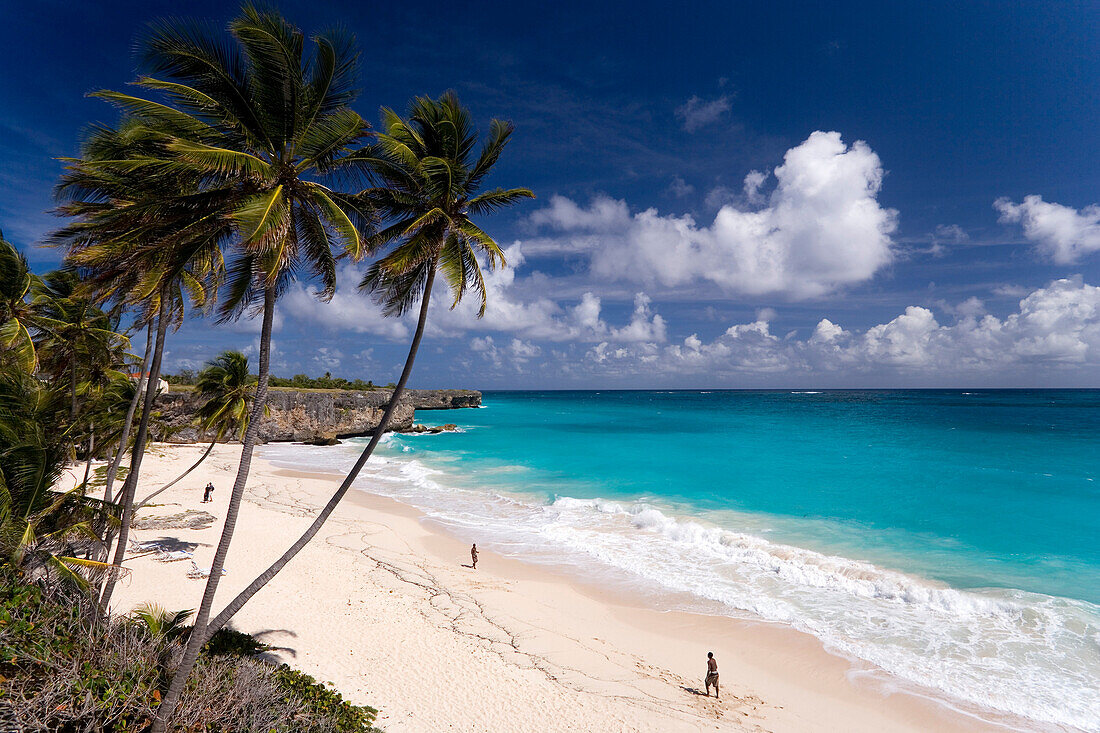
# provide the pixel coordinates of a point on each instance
(61, 671)
(323, 709)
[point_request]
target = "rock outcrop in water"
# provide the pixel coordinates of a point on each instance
(318, 415)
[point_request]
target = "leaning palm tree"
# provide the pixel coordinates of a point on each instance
(147, 241)
(226, 390)
(428, 186)
(264, 124)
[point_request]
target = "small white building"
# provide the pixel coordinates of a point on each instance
(162, 386)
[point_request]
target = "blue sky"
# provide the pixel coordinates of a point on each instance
(730, 194)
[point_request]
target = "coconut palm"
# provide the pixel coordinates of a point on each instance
(265, 125)
(147, 240)
(76, 336)
(17, 308)
(226, 389)
(141, 240)
(428, 187)
(156, 621)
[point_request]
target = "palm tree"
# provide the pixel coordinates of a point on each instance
(17, 310)
(156, 621)
(428, 187)
(262, 124)
(77, 335)
(227, 390)
(143, 240)
(42, 530)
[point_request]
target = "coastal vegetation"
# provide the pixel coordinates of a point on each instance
(242, 167)
(189, 378)
(64, 669)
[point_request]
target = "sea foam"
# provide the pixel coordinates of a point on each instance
(1023, 653)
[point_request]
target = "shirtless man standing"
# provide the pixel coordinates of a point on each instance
(473, 557)
(712, 674)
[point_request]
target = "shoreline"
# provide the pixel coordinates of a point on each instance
(596, 659)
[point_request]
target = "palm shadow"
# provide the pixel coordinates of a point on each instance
(266, 655)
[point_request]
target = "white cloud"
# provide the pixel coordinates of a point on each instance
(697, 112)
(1063, 233)
(753, 182)
(680, 188)
(348, 310)
(1054, 327)
(951, 233)
(821, 229)
(644, 325)
(507, 311)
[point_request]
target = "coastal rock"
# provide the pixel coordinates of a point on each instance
(448, 428)
(317, 415)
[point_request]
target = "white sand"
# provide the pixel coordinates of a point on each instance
(380, 605)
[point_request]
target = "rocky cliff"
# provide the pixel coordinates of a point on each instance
(305, 415)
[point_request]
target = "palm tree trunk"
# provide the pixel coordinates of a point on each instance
(177, 479)
(197, 637)
(72, 388)
(235, 605)
(88, 458)
(124, 439)
(129, 487)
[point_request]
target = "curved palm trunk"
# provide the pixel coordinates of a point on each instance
(124, 438)
(198, 636)
(243, 597)
(177, 479)
(129, 487)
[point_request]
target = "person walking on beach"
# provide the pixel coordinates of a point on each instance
(207, 492)
(712, 674)
(473, 557)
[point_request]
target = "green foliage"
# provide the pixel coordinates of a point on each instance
(45, 532)
(186, 377)
(17, 309)
(301, 381)
(157, 622)
(57, 672)
(227, 391)
(431, 179)
(322, 704)
(61, 670)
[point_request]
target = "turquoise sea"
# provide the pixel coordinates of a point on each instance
(950, 537)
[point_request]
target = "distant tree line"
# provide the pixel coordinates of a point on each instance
(301, 381)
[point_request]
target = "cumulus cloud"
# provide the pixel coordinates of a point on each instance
(820, 229)
(696, 112)
(348, 310)
(508, 311)
(1061, 232)
(1053, 327)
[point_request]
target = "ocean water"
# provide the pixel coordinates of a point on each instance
(951, 538)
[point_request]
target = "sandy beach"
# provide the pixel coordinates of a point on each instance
(383, 605)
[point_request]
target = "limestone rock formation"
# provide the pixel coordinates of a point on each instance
(318, 415)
